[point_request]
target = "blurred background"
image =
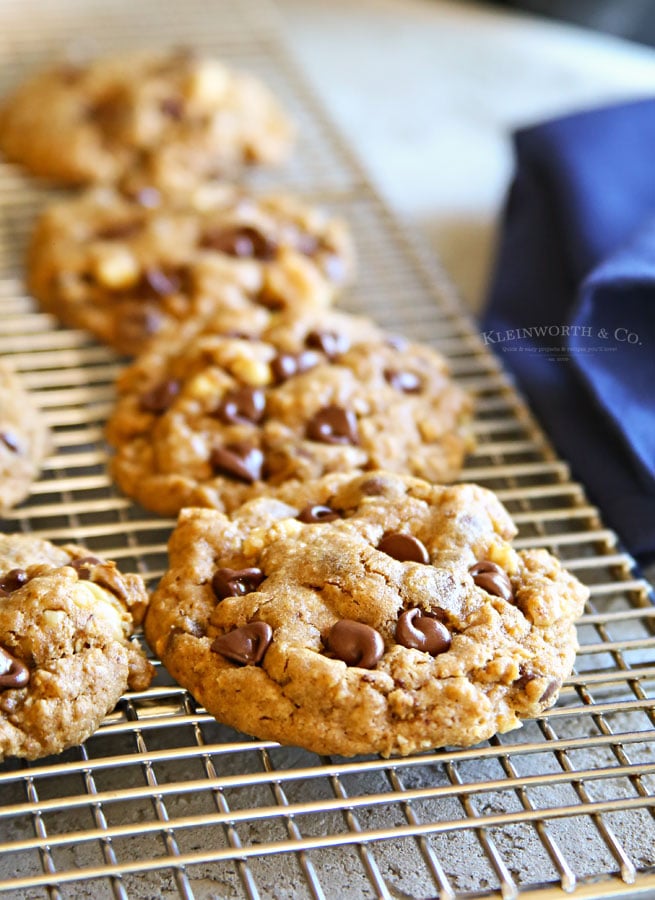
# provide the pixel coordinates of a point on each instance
(428, 93)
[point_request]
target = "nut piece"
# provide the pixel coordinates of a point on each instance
(116, 268)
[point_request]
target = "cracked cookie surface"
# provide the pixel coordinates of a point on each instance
(126, 270)
(377, 613)
(169, 119)
(24, 439)
(65, 654)
(219, 420)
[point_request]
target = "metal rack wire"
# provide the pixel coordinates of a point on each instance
(165, 802)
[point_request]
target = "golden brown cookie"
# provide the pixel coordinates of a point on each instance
(24, 439)
(168, 119)
(377, 613)
(126, 270)
(65, 654)
(218, 420)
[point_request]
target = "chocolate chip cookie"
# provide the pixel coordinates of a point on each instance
(24, 439)
(65, 654)
(376, 613)
(125, 268)
(166, 119)
(219, 420)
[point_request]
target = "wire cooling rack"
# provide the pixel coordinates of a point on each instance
(163, 802)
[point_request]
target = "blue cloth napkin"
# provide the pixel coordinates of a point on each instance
(571, 308)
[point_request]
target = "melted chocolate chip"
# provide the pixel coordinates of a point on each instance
(173, 107)
(286, 365)
(13, 580)
(242, 241)
(418, 631)
(373, 487)
(407, 382)
(160, 397)
(137, 323)
(148, 197)
(13, 672)
(119, 230)
(492, 579)
(159, 283)
(241, 461)
(236, 582)
(306, 243)
(333, 425)
(84, 566)
(242, 406)
(329, 342)
(404, 547)
(553, 687)
(10, 441)
(246, 645)
(355, 643)
(312, 514)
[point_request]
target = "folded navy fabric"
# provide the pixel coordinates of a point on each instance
(571, 307)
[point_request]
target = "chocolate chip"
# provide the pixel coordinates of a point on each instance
(312, 514)
(149, 197)
(236, 582)
(246, 645)
(404, 547)
(119, 230)
(241, 461)
(333, 425)
(13, 580)
(10, 441)
(242, 406)
(355, 643)
(160, 283)
(492, 579)
(136, 323)
(373, 487)
(306, 243)
(286, 365)
(84, 566)
(329, 342)
(13, 672)
(553, 687)
(173, 107)
(404, 381)
(159, 398)
(418, 631)
(242, 241)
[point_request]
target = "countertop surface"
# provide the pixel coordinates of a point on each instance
(429, 91)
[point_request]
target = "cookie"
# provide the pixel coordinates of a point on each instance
(24, 439)
(65, 654)
(126, 270)
(368, 614)
(219, 420)
(168, 119)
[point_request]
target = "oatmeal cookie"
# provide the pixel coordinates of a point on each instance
(24, 439)
(125, 269)
(377, 613)
(219, 420)
(65, 654)
(165, 119)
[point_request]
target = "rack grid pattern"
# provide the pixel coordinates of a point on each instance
(165, 802)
